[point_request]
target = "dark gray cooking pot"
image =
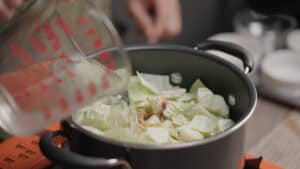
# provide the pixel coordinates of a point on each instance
(223, 151)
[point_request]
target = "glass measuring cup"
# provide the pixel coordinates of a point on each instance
(55, 59)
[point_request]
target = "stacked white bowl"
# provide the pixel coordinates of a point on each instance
(280, 70)
(280, 74)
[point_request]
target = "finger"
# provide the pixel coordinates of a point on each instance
(161, 18)
(173, 28)
(173, 23)
(13, 4)
(142, 18)
(5, 12)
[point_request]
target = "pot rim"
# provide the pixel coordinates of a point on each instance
(219, 136)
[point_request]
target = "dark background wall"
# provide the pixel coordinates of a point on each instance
(201, 19)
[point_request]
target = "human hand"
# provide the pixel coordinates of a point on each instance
(164, 22)
(8, 9)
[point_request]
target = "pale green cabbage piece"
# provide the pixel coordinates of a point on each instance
(186, 133)
(179, 120)
(156, 104)
(173, 93)
(204, 124)
(153, 120)
(93, 130)
(125, 134)
(203, 92)
(196, 85)
(154, 82)
(216, 104)
(225, 124)
(187, 97)
(94, 116)
(103, 116)
(149, 86)
(158, 135)
(177, 107)
(171, 128)
(137, 92)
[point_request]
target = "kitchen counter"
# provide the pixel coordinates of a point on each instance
(274, 133)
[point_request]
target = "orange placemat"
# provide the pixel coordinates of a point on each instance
(23, 153)
(251, 160)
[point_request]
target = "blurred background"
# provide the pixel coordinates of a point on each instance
(203, 18)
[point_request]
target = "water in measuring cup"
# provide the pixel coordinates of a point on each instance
(54, 91)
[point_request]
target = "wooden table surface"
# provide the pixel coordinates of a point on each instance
(274, 133)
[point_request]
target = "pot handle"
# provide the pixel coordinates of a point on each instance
(229, 48)
(69, 159)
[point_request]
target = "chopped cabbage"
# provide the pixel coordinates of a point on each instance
(225, 124)
(203, 92)
(186, 133)
(124, 134)
(216, 104)
(196, 85)
(179, 120)
(158, 134)
(164, 113)
(93, 130)
(204, 124)
(137, 92)
(157, 83)
(153, 120)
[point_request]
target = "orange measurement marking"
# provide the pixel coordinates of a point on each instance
(82, 21)
(43, 87)
(49, 31)
(91, 31)
(64, 56)
(56, 45)
(37, 27)
(51, 36)
(47, 113)
(55, 77)
(92, 89)
(105, 56)
(69, 73)
(27, 94)
(63, 104)
(97, 43)
(39, 46)
(111, 66)
(78, 96)
(104, 82)
(64, 26)
(20, 53)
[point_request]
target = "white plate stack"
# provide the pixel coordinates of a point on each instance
(276, 74)
(280, 75)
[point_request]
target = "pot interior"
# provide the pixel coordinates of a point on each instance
(218, 75)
